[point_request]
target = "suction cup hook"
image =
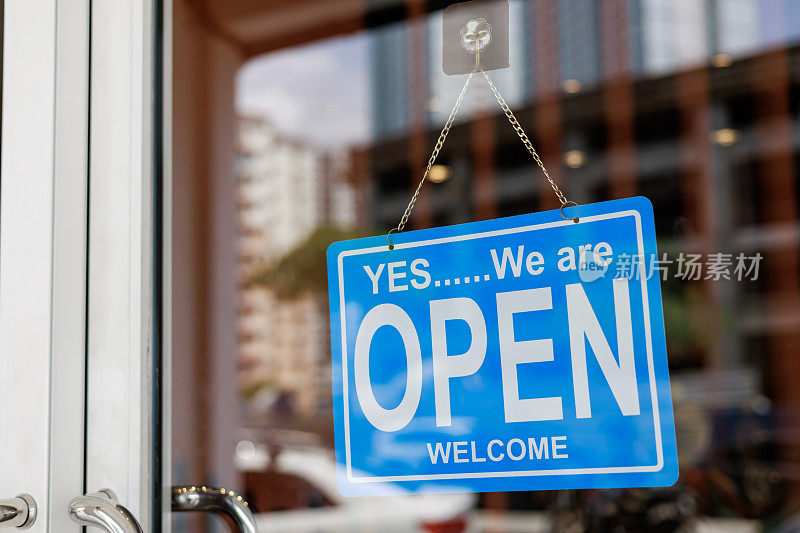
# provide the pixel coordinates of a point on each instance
(475, 37)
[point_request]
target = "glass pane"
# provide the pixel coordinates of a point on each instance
(299, 125)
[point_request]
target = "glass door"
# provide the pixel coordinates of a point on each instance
(304, 123)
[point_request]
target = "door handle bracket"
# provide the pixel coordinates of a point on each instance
(19, 512)
(102, 509)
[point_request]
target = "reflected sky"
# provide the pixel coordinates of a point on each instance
(318, 93)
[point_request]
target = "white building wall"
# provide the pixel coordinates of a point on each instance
(281, 204)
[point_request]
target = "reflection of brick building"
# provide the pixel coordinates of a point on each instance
(285, 192)
(715, 148)
(566, 43)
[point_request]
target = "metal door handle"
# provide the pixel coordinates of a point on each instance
(19, 512)
(215, 500)
(103, 510)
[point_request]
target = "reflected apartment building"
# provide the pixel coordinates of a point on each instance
(695, 105)
(286, 189)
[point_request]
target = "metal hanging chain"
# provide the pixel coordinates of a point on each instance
(434, 154)
(446, 129)
(524, 138)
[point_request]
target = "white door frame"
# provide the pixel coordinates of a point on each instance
(43, 255)
(80, 386)
(127, 363)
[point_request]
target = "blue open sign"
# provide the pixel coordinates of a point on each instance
(502, 355)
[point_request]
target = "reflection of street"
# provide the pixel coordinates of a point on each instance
(541, 522)
(294, 490)
(511, 522)
(727, 479)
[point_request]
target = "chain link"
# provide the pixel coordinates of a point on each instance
(523, 137)
(446, 129)
(435, 153)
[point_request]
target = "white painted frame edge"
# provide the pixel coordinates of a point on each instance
(67, 408)
(119, 409)
(43, 255)
(26, 224)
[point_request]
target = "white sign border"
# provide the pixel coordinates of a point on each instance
(518, 473)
